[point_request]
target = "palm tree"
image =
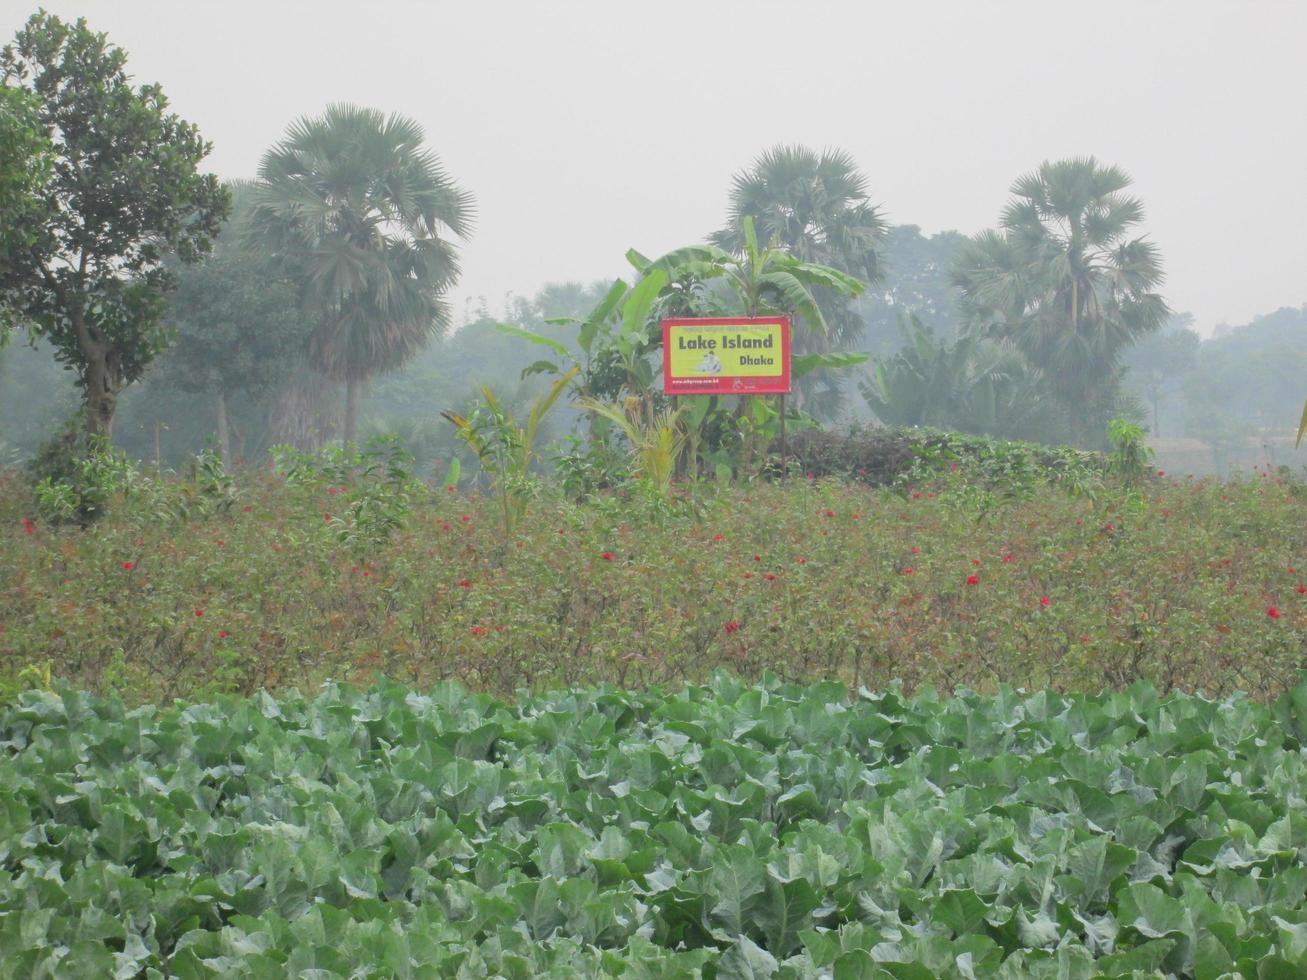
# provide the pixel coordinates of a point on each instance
(1063, 280)
(814, 206)
(362, 216)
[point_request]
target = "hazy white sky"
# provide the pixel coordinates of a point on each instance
(585, 128)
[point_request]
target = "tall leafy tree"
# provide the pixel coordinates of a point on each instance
(916, 280)
(1066, 280)
(26, 162)
(239, 327)
(1156, 366)
(363, 217)
(125, 193)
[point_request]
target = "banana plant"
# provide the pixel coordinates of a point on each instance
(614, 341)
(506, 448)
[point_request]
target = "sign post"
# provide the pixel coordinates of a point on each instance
(726, 356)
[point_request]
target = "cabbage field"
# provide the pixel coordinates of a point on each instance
(731, 830)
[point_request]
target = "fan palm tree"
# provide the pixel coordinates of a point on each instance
(363, 217)
(814, 206)
(1064, 281)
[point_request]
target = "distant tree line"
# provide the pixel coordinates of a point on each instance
(311, 303)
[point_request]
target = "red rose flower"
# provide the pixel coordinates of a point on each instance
(128, 566)
(607, 556)
(771, 577)
(1045, 601)
(732, 626)
(223, 634)
(199, 613)
(719, 537)
(909, 570)
(973, 580)
(1302, 589)
(1272, 612)
(478, 631)
(916, 550)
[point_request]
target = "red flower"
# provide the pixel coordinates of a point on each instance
(199, 613)
(464, 583)
(223, 634)
(446, 526)
(1008, 558)
(973, 580)
(748, 574)
(1109, 526)
(803, 561)
(830, 513)
(1045, 601)
(451, 488)
(771, 577)
(1161, 472)
(219, 542)
(478, 631)
(247, 508)
(366, 573)
(128, 566)
(607, 556)
(719, 537)
(465, 518)
(909, 570)
(28, 526)
(1302, 589)
(975, 561)
(732, 626)
(916, 550)
(856, 516)
(757, 557)
(1272, 612)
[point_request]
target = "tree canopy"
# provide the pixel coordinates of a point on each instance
(363, 217)
(125, 194)
(1065, 281)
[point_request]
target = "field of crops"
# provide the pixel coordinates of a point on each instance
(193, 591)
(730, 830)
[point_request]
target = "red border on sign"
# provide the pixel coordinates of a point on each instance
(740, 385)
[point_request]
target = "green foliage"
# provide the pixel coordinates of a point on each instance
(656, 441)
(1131, 459)
(916, 280)
(506, 448)
(373, 489)
(26, 163)
(1171, 582)
(816, 207)
(970, 385)
(372, 254)
(730, 830)
(238, 324)
(93, 277)
(1062, 281)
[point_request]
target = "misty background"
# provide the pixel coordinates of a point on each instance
(584, 129)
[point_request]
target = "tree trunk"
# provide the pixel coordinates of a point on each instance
(352, 386)
(305, 411)
(224, 437)
(102, 387)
